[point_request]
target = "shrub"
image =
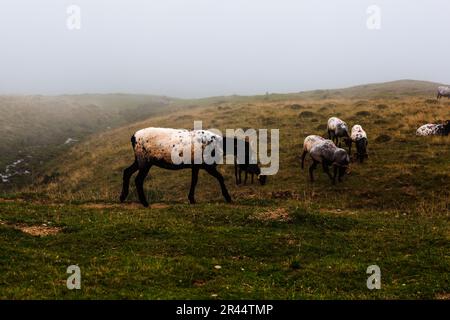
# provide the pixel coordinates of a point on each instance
(383, 138)
(363, 113)
(306, 114)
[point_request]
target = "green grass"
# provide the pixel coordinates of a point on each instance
(171, 253)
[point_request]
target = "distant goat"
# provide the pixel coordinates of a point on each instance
(325, 152)
(443, 92)
(359, 137)
(247, 166)
(338, 129)
(432, 129)
(156, 146)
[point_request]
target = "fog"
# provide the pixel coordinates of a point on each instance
(197, 48)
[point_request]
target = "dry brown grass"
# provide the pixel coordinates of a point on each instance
(272, 215)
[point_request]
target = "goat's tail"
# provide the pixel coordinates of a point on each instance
(133, 141)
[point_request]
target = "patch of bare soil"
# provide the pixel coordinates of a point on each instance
(10, 200)
(443, 296)
(159, 206)
(98, 206)
(287, 194)
(36, 231)
(278, 214)
(133, 205)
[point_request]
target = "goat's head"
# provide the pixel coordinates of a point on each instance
(342, 130)
(447, 127)
(262, 179)
(255, 169)
(341, 161)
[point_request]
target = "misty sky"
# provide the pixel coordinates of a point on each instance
(196, 48)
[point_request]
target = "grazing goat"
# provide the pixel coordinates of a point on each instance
(247, 166)
(338, 129)
(431, 129)
(359, 137)
(443, 92)
(308, 143)
(326, 153)
(156, 146)
(251, 169)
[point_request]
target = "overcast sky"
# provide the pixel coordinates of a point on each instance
(196, 48)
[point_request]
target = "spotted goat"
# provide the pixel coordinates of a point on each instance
(338, 130)
(359, 137)
(325, 152)
(156, 147)
(431, 129)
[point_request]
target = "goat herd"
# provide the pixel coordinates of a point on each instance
(157, 146)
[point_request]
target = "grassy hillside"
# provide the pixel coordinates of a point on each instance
(388, 90)
(400, 162)
(287, 239)
(36, 128)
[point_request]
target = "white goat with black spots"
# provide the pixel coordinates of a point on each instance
(195, 149)
(432, 129)
(359, 137)
(338, 129)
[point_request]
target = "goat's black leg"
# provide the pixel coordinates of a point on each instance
(311, 170)
(127, 173)
(326, 170)
(303, 158)
(194, 180)
(335, 174)
(216, 174)
(245, 177)
(236, 170)
(139, 182)
(240, 175)
(329, 134)
(350, 149)
(252, 177)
